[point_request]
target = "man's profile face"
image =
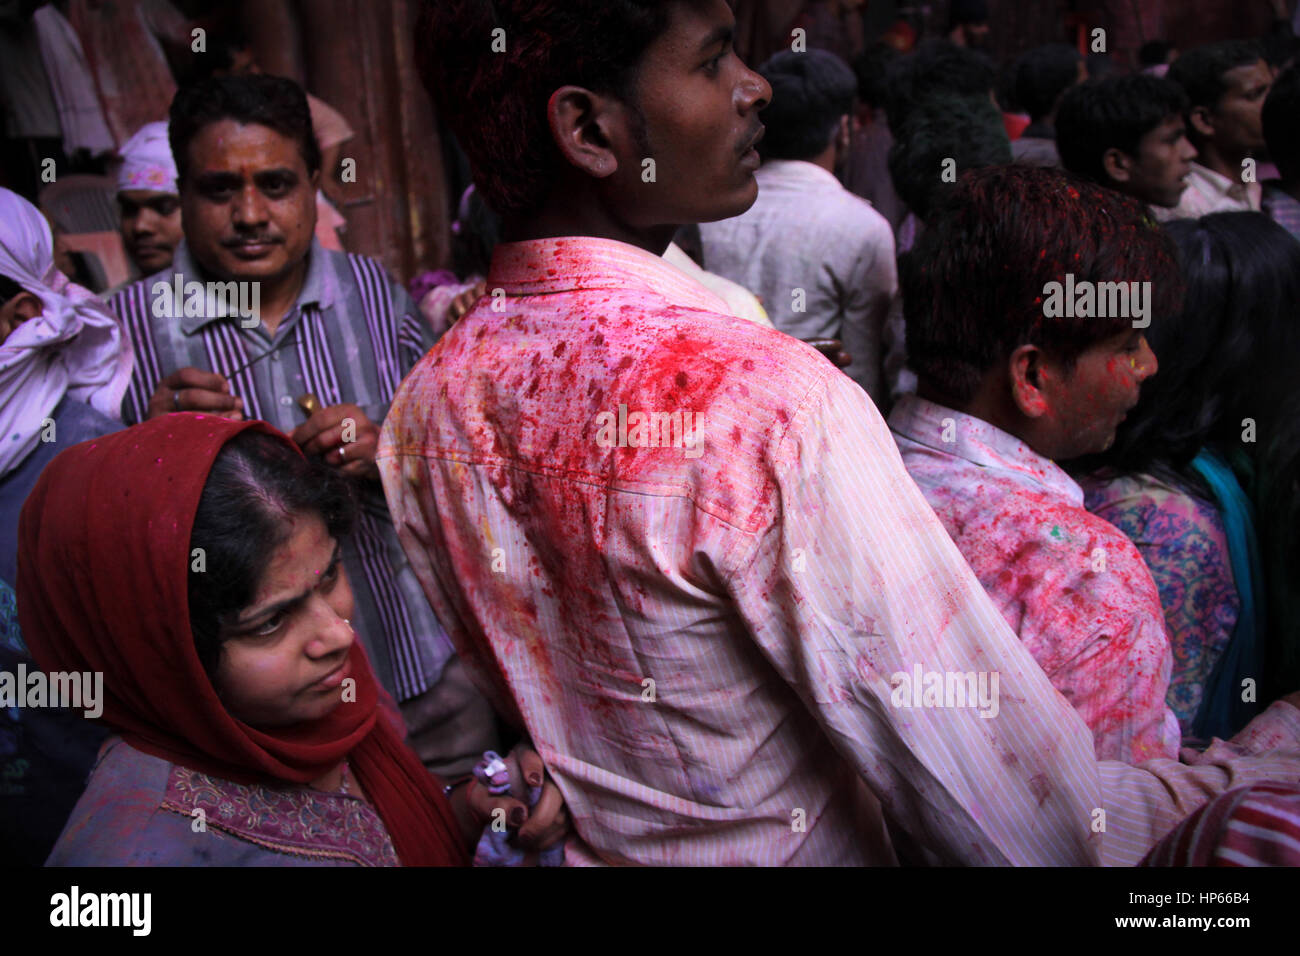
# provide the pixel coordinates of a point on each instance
(151, 227)
(700, 104)
(1159, 173)
(1238, 122)
(1087, 403)
(248, 202)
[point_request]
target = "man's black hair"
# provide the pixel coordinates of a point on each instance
(973, 284)
(871, 67)
(496, 102)
(935, 66)
(219, 53)
(1042, 75)
(1112, 113)
(272, 101)
(810, 92)
(1154, 53)
(966, 128)
(1200, 71)
(1282, 124)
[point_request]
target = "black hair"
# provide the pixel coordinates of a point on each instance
(973, 284)
(965, 128)
(219, 52)
(1228, 358)
(496, 102)
(475, 236)
(8, 289)
(1154, 53)
(1242, 275)
(1100, 64)
(1281, 129)
(1043, 74)
(1279, 45)
(272, 101)
(257, 483)
(810, 92)
(1112, 113)
(871, 67)
(1200, 71)
(936, 66)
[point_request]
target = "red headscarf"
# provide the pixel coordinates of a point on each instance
(104, 555)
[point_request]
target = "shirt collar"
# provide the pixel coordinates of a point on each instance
(1213, 183)
(976, 441)
(573, 263)
(796, 171)
(319, 287)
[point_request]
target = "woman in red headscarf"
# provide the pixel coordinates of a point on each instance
(194, 562)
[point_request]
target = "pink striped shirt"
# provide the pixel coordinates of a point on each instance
(710, 629)
(1072, 585)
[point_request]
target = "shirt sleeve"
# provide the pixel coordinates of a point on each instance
(861, 601)
(414, 335)
(1144, 803)
(871, 287)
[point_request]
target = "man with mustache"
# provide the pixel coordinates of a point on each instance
(252, 317)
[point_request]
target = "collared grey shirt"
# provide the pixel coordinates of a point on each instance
(351, 337)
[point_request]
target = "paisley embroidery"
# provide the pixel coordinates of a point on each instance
(291, 819)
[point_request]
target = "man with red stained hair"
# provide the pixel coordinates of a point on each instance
(1008, 386)
(680, 548)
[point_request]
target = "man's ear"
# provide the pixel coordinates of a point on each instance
(844, 135)
(1117, 164)
(581, 126)
(27, 305)
(16, 311)
(1025, 369)
(1201, 120)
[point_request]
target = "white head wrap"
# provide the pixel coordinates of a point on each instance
(147, 161)
(75, 347)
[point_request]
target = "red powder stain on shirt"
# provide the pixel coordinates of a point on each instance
(1040, 788)
(565, 613)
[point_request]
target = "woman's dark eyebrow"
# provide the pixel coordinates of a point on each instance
(289, 603)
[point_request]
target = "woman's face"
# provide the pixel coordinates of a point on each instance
(285, 657)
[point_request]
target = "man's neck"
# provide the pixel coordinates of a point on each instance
(984, 405)
(1213, 158)
(826, 159)
(582, 213)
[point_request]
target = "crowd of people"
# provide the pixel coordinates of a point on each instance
(833, 462)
